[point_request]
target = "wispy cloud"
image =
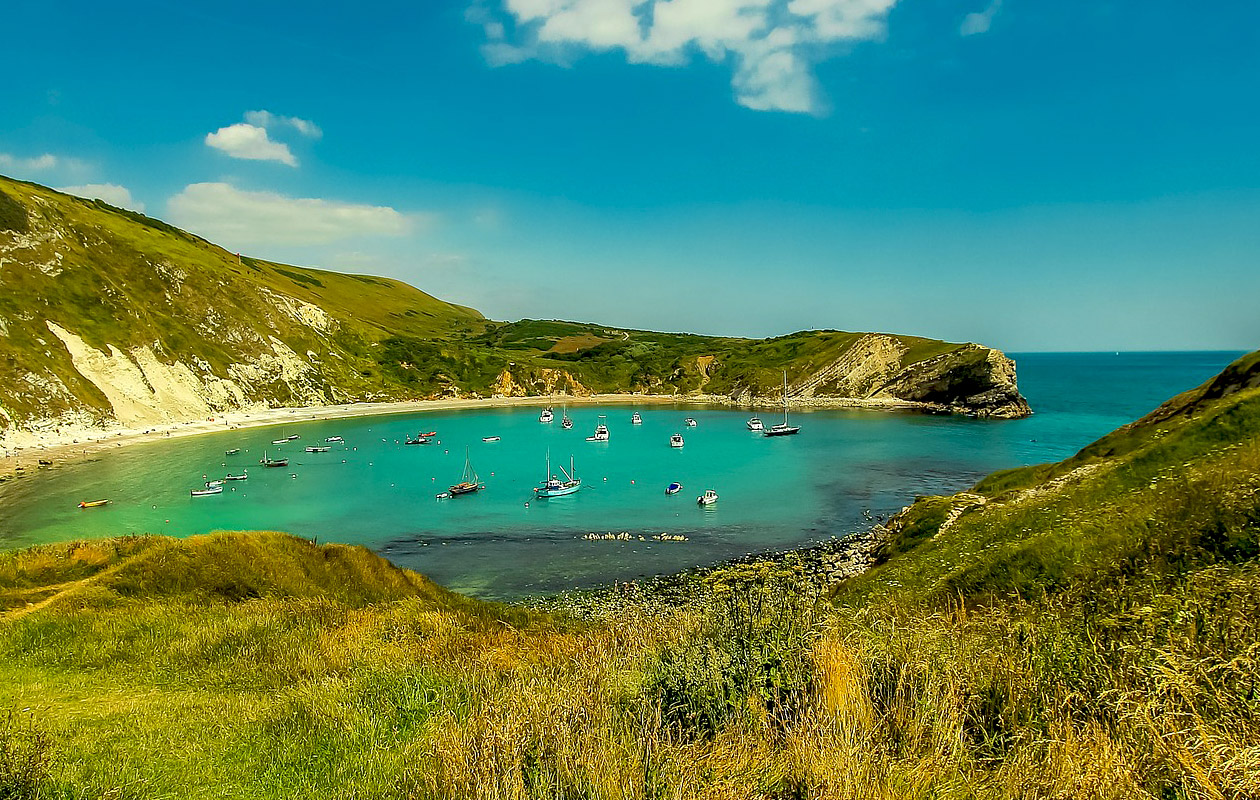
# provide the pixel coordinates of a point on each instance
(980, 21)
(239, 218)
(40, 163)
(251, 142)
(111, 193)
(772, 45)
(265, 119)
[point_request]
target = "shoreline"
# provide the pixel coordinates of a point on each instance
(80, 443)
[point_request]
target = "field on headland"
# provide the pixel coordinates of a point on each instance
(1082, 629)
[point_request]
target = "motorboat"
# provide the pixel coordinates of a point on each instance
(318, 449)
(331, 439)
(244, 476)
(232, 452)
(689, 422)
(676, 440)
(708, 498)
(547, 415)
(754, 424)
(636, 419)
(93, 503)
(554, 487)
(601, 432)
(673, 488)
(420, 439)
(212, 484)
(490, 438)
(782, 428)
(209, 490)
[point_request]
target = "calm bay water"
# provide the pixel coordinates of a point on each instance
(775, 493)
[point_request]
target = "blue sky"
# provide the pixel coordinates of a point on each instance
(1035, 176)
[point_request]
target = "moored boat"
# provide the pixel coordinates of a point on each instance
(212, 484)
(635, 419)
(673, 488)
(547, 415)
(331, 439)
(207, 491)
(490, 438)
(469, 482)
(565, 421)
(244, 476)
(708, 498)
(689, 422)
(782, 428)
(601, 432)
(754, 424)
(420, 439)
(676, 440)
(232, 452)
(268, 461)
(280, 441)
(554, 487)
(93, 503)
(315, 449)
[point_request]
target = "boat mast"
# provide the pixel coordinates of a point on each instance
(785, 416)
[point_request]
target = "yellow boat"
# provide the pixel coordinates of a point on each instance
(93, 503)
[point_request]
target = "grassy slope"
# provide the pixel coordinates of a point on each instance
(1079, 634)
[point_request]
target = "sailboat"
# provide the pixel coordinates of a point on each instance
(553, 486)
(268, 461)
(469, 482)
(565, 422)
(782, 428)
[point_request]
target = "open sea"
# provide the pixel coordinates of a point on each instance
(775, 493)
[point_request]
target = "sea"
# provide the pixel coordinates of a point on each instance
(845, 469)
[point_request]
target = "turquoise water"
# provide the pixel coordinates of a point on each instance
(775, 493)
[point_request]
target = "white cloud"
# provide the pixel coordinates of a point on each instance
(243, 140)
(41, 163)
(111, 193)
(772, 44)
(265, 119)
(238, 218)
(979, 21)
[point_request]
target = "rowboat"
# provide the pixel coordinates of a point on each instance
(333, 439)
(207, 491)
(232, 452)
(244, 476)
(93, 503)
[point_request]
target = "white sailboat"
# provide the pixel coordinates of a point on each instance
(565, 422)
(782, 428)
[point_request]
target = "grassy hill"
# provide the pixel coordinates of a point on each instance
(109, 315)
(1086, 629)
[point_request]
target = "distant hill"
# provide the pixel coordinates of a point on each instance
(111, 317)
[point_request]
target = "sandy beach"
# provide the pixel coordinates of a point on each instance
(26, 453)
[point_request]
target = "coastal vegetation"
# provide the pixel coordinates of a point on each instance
(108, 317)
(1089, 628)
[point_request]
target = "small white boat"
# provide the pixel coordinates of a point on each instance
(676, 440)
(673, 488)
(708, 498)
(208, 491)
(754, 424)
(489, 438)
(635, 419)
(279, 441)
(547, 415)
(601, 432)
(689, 422)
(212, 484)
(293, 437)
(244, 476)
(318, 449)
(565, 422)
(232, 452)
(331, 439)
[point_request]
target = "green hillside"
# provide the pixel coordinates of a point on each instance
(107, 314)
(1087, 629)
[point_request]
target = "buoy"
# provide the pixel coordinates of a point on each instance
(527, 505)
(632, 480)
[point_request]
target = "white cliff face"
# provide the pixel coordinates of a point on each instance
(142, 389)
